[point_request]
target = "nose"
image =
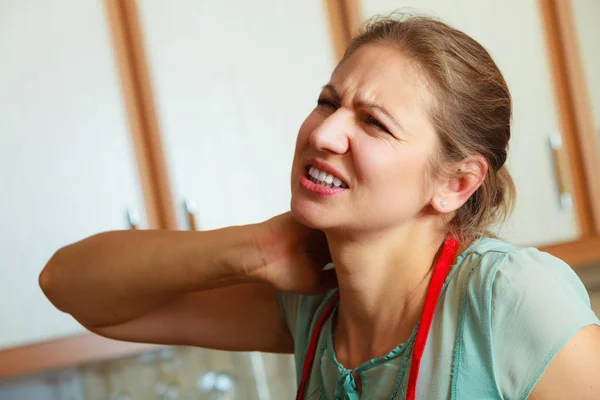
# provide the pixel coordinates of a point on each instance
(332, 134)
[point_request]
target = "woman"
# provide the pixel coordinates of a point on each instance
(401, 166)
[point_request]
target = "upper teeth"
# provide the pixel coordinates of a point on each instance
(325, 178)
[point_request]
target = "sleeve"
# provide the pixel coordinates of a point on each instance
(289, 304)
(537, 304)
(299, 313)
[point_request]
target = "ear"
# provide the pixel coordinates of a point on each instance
(454, 191)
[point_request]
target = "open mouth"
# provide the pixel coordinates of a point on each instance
(317, 176)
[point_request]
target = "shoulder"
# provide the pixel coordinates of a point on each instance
(302, 312)
(502, 271)
(523, 289)
(524, 305)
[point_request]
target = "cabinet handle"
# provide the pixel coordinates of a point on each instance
(561, 170)
(133, 217)
(190, 211)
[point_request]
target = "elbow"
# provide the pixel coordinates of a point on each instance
(51, 279)
(60, 278)
(48, 279)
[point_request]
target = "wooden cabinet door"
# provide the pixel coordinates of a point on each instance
(67, 169)
(586, 14)
(512, 32)
(233, 82)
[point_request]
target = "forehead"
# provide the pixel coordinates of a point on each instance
(382, 74)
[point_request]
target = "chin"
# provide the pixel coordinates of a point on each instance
(308, 213)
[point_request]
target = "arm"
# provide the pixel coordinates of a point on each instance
(575, 371)
(212, 289)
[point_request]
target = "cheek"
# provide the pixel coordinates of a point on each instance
(394, 170)
(415, 179)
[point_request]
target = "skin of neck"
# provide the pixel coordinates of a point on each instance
(383, 280)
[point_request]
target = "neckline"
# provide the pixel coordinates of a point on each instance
(399, 349)
(372, 363)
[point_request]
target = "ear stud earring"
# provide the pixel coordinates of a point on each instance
(443, 203)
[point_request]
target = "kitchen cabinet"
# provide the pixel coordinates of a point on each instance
(595, 301)
(67, 166)
(586, 14)
(229, 93)
(590, 276)
(233, 82)
(540, 217)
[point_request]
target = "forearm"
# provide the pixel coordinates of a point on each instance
(114, 277)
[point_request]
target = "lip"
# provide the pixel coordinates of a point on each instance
(323, 166)
(319, 189)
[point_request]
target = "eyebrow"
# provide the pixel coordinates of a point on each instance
(365, 104)
(336, 95)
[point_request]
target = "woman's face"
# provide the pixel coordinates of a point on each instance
(369, 139)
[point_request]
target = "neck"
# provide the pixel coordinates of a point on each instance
(383, 281)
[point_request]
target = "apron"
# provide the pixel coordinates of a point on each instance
(440, 272)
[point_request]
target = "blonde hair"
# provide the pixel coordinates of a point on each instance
(470, 111)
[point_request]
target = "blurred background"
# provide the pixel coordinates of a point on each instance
(148, 114)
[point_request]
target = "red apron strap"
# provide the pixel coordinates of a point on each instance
(440, 273)
(435, 287)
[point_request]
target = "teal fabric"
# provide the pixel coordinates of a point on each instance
(503, 314)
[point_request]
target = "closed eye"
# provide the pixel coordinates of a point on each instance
(374, 122)
(327, 103)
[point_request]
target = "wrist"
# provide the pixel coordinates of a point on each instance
(247, 256)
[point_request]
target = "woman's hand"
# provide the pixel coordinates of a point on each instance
(294, 256)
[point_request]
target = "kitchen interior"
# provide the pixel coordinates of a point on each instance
(146, 114)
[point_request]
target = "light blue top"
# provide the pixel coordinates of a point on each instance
(503, 314)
